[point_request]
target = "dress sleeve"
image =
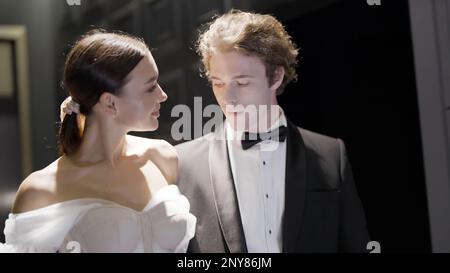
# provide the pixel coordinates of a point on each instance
(40, 230)
(8, 248)
(172, 226)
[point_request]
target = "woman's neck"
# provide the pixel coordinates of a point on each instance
(100, 144)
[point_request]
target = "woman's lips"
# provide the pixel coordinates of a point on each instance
(155, 114)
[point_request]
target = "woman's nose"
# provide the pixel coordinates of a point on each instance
(163, 95)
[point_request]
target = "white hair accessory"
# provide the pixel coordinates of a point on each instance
(69, 106)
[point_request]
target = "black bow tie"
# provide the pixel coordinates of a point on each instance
(251, 139)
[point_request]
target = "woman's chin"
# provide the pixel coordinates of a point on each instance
(148, 127)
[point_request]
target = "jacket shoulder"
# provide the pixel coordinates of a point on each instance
(323, 155)
(187, 147)
(320, 143)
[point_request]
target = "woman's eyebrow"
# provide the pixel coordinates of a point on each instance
(152, 79)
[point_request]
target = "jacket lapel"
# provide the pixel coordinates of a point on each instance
(295, 189)
(227, 206)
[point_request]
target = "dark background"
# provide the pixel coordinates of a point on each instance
(356, 82)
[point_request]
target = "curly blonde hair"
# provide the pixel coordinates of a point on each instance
(251, 34)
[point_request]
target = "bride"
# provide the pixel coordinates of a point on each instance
(109, 191)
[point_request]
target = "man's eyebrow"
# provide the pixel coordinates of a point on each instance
(236, 77)
(243, 76)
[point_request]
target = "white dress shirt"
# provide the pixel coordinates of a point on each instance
(259, 179)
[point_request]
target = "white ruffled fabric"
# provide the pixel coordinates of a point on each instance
(97, 225)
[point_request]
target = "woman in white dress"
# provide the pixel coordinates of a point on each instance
(109, 191)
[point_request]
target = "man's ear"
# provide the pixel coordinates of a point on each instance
(108, 103)
(278, 77)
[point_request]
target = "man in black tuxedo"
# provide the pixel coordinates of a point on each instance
(259, 183)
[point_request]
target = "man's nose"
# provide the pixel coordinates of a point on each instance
(230, 95)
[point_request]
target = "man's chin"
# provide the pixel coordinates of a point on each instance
(232, 115)
(238, 123)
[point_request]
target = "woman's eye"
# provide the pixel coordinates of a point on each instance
(152, 88)
(218, 84)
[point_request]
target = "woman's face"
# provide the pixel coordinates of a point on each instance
(140, 99)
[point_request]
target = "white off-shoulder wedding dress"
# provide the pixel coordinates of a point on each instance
(98, 225)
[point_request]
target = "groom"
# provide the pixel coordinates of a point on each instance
(260, 183)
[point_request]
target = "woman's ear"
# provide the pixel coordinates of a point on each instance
(278, 77)
(108, 103)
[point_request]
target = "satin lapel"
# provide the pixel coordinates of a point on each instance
(227, 207)
(295, 189)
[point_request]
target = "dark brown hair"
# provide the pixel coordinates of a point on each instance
(98, 62)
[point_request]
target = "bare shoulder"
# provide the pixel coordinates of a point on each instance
(36, 191)
(162, 153)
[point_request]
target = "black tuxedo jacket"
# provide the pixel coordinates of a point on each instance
(323, 212)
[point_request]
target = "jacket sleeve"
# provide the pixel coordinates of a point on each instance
(353, 233)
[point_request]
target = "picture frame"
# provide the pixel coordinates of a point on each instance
(16, 68)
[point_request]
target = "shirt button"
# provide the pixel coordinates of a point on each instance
(267, 196)
(270, 231)
(264, 162)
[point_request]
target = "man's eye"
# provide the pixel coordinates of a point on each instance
(242, 83)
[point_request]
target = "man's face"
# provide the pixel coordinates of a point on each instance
(240, 80)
